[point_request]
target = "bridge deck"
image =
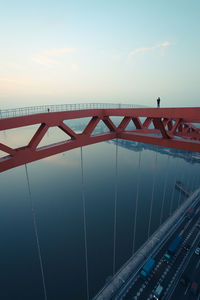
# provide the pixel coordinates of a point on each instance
(137, 260)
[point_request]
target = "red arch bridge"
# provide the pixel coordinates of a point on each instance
(168, 127)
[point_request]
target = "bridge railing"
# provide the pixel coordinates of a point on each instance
(24, 111)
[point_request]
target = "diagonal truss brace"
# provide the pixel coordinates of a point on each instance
(166, 127)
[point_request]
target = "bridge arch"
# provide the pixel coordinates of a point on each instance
(168, 127)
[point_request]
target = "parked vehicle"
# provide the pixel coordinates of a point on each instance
(167, 258)
(175, 244)
(158, 292)
(172, 248)
(190, 213)
(197, 251)
(147, 268)
(194, 288)
(186, 247)
(184, 281)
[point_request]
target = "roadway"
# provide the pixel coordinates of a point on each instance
(168, 275)
(190, 272)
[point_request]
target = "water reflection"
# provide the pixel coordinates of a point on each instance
(191, 157)
(56, 190)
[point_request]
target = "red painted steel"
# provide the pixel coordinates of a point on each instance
(170, 127)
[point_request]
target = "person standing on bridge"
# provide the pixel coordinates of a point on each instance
(158, 102)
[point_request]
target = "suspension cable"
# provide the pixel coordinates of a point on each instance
(198, 180)
(187, 182)
(115, 208)
(190, 175)
(136, 202)
(84, 222)
(192, 184)
(179, 196)
(172, 198)
(152, 195)
(36, 233)
(190, 181)
(195, 183)
(164, 190)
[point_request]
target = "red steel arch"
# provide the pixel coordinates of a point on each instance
(172, 127)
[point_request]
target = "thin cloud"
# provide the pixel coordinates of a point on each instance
(13, 65)
(6, 80)
(44, 60)
(58, 51)
(10, 80)
(46, 57)
(165, 44)
(145, 49)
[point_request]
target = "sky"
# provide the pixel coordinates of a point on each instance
(116, 51)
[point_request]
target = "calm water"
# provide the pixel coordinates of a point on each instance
(57, 194)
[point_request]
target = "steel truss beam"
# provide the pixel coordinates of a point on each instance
(168, 127)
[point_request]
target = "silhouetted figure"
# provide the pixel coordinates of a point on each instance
(48, 109)
(158, 102)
